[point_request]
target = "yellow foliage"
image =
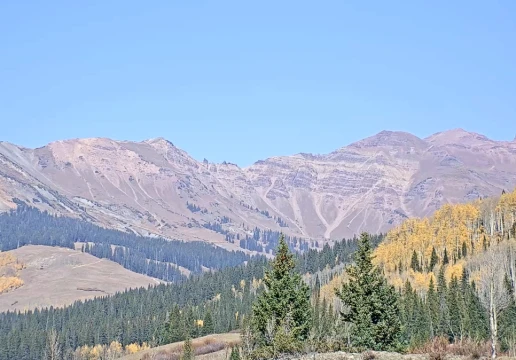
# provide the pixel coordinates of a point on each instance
(132, 348)
(462, 229)
(454, 270)
(328, 291)
(8, 283)
(421, 281)
(200, 323)
(397, 282)
(9, 272)
(113, 351)
(96, 351)
(115, 346)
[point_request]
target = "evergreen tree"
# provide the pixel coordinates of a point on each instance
(457, 311)
(175, 327)
(434, 259)
(414, 262)
(373, 304)
(188, 351)
(283, 309)
(432, 304)
(208, 326)
(443, 315)
(479, 328)
(445, 257)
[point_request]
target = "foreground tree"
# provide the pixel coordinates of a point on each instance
(372, 304)
(281, 315)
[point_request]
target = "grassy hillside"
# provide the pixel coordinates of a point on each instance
(53, 276)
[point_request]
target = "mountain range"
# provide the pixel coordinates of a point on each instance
(154, 188)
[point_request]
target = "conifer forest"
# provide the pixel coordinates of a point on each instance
(449, 278)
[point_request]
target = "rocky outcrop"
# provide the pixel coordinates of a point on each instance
(153, 187)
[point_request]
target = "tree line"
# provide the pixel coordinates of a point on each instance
(211, 302)
(372, 315)
(154, 257)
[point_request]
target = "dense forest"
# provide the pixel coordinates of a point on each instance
(448, 279)
(151, 315)
(457, 269)
(155, 257)
(452, 237)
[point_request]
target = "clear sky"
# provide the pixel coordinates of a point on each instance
(244, 80)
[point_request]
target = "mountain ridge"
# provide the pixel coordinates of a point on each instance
(152, 187)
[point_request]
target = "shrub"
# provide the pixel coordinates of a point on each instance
(368, 355)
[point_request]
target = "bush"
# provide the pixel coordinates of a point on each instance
(368, 355)
(438, 347)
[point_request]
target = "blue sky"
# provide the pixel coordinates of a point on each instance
(244, 80)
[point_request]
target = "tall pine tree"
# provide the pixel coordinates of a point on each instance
(281, 315)
(373, 304)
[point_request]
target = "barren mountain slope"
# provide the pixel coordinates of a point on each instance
(152, 187)
(376, 182)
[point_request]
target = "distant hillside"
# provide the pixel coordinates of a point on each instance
(417, 248)
(153, 187)
(57, 277)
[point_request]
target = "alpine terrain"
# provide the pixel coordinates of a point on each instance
(154, 188)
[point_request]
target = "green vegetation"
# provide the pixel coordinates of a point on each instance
(451, 295)
(281, 315)
(143, 315)
(371, 304)
(150, 256)
(188, 352)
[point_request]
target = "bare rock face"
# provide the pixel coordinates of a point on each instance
(152, 187)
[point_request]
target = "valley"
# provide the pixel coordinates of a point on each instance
(142, 283)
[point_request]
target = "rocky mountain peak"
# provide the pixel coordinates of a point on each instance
(153, 187)
(159, 140)
(457, 137)
(391, 139)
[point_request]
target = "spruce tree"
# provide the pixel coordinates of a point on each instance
(373, 304)
(188, 351)
(281, 315)
(445, 257)
(208, 326)
(432, 302)
(414, 262)
(434, 259)
(175, 327)
(444, 313)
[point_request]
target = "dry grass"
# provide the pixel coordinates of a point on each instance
(438, 348)
(368, 355)
(211, 347)
(55, 276)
